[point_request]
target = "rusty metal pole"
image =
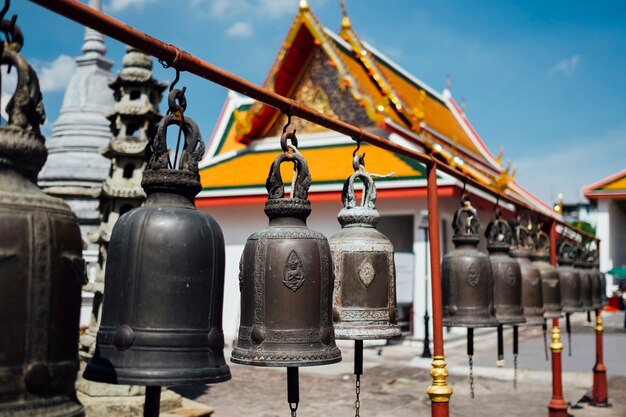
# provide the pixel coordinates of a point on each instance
(599, 391)
(439, 391)
(557, 406)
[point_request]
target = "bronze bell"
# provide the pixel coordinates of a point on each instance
(466, 276)
(286, 279)
(364, 299)
(532, 294)
(601, 278)
(162, 309)
(598, 287)
(507, 276)
(41, 268)
(585, 279)
(550, 280)
(570, 280)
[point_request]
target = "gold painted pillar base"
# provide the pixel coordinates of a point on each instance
(556, 346)
(439, 391)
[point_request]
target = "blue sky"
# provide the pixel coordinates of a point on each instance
(543, 79)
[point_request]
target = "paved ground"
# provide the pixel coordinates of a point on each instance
(395, 381)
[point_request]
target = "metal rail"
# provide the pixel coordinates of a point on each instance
(183, 61)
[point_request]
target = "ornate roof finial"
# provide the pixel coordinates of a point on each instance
(345, 22)
(304, 5)
(448, 82)
(94, 41)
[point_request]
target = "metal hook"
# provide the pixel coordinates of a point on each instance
(464, 193)
(288, 122)
(175, 79)
(358, 146)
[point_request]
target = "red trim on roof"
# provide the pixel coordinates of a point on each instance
(598, 195)
(605, 181)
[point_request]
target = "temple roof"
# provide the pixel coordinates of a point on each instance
(613, 186)
(343, 77)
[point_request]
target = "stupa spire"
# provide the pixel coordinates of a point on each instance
(94, 41)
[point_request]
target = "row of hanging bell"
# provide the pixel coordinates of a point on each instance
(162, 310)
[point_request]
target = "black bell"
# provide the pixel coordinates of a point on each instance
(550, 279)
(532, 294)
(364, 299)
(570, 280)
(466, 276)
(162, 310)
(580, 264)
(286, 279)
(41, 268)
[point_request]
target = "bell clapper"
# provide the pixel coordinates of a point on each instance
(152, 403)
(470, 353)
(293, 389)
(588, 316)
(515, 354)
(358, 371)
(545, 339)
(568, 328)
(500, 361)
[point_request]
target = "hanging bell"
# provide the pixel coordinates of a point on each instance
(570, 280)
(532, 294)
(507, 276)
(162, 309)
(550, 279)
(580, 265)
(364, 299)
(601, 278)
(597, 290)
(466, 276)
(41, 268)
(286, 279)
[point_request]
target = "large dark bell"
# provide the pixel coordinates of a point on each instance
(466, 277)
(570, 280)
(286, 280)
(364, 300)
(162, 310)
(580, 265)
(550, 279)
(41, 268)
(532, 291)
(507, 276)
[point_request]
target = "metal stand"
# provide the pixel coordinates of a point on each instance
(152, 404)
(293, 389)
(358, 371)
(426, 352)
(557, 406)
(599, 391)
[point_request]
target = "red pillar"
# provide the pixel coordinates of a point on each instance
(599, 391)
(439, 391)
(557, 406)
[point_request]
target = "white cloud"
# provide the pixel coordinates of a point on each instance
(9, 81)
(572, 166)
(120, 5)
(240, 30)
(566, 66)
(55, 75)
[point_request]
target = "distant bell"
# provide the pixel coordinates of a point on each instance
(532, 294)
(600, 299)
(507, 276)
(570, 280)
(580, 264)
(466, 276)
(364, 300)
(550, 279)
(286, 279)
(41, 268)
(162, 309)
